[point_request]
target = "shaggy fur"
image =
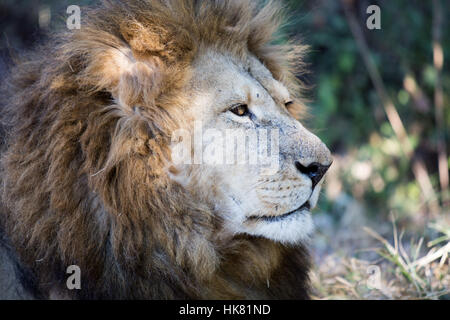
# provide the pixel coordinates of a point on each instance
(86, 142)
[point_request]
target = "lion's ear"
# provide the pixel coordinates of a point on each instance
(131, 81)
(138, 83)
(134, 65)
(131, 72)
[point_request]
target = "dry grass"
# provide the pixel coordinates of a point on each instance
(402, 269)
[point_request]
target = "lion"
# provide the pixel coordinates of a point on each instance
(87, 160)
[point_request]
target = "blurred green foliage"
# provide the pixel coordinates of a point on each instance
(347, 113)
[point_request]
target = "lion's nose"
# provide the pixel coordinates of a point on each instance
(315, 171)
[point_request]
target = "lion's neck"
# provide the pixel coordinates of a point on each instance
(257, 268)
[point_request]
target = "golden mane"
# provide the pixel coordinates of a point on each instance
(82, 161)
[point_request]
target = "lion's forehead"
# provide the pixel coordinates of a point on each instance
(230, 78)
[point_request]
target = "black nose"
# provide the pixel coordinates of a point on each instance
(315, 171)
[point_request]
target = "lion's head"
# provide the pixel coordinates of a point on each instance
(111, 162)
(251, 160)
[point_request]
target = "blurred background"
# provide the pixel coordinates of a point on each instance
(380, 100)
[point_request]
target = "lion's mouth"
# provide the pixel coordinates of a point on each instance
(306, 206)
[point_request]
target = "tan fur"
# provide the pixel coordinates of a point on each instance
(88, 119)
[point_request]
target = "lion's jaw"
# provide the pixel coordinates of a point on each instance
(266, 195)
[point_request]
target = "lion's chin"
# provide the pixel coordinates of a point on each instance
(292, 229)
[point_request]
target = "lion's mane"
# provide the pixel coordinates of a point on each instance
(83, 156)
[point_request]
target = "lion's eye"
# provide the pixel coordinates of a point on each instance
(289, 103)
(240, 110)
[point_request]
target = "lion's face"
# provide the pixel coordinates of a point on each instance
(249, 159)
